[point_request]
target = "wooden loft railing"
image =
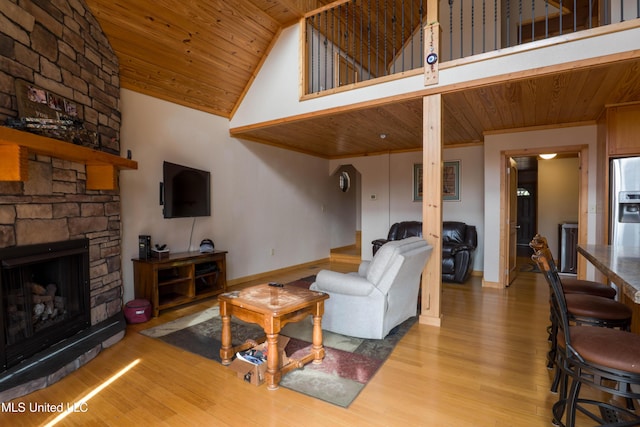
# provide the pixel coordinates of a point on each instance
(15, 146)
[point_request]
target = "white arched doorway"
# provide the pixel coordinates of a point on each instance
(345, 212)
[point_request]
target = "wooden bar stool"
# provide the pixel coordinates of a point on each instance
(602, 358)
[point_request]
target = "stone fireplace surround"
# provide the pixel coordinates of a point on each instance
(60, 47)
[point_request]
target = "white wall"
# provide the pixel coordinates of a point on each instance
(387, 193)
(619, 9)
(262, 197)
(545, 141)
(374, 190)
(558, 191)
(470, 208)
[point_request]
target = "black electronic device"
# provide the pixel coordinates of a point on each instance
(144, 247)
(185, 191)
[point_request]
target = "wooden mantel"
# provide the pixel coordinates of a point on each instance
(15, 146)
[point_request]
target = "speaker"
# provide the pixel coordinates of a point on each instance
(206, 246)
(144, 247)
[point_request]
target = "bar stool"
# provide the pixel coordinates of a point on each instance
(603, 358)
(583, 309)
(571, 285)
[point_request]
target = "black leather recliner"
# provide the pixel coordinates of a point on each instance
(399, 231)
(459, 241)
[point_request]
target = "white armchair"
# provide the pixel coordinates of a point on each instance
(383, 294)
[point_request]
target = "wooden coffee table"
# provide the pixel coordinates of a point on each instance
(272, 307)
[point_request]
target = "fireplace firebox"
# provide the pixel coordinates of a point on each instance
(44, 294)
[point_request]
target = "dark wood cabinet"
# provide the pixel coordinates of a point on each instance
(623, 124)
(179, 278)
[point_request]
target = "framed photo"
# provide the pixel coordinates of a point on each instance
(417, 182)
(36, 102)
(451, 181)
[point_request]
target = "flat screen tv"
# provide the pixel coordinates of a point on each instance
(186, 191)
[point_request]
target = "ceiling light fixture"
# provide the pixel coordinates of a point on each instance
(548, 156)
(383, 135)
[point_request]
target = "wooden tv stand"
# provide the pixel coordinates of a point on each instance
(179, 278)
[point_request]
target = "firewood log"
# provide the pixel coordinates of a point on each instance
(38, 289)
(51, 289)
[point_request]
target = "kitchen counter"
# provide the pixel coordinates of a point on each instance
(621, 265)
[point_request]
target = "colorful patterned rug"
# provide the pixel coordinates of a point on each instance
(348, 365)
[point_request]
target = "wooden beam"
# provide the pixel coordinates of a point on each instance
(432, 11)
(102, 177)
(14, 163)
(102, 168)
(432, 209)
(431, 53)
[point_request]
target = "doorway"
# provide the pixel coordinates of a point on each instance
(345, 210)
(532, 218)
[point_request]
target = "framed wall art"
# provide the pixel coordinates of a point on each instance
(451, 181)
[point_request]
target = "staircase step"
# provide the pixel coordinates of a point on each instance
(347, 254)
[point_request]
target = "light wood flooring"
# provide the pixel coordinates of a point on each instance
(484, 367)
(346, 255)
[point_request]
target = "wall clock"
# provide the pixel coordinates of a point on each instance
(344, 182)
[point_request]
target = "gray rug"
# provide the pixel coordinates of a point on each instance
(348, 365)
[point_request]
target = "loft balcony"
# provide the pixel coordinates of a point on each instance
(491, 82)
(352, 42)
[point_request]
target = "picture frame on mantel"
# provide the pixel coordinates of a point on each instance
(417, 182)
(451, 181)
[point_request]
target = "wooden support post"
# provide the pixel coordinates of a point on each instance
(432, 208)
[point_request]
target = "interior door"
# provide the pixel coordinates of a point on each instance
(512, 220)
(527, 217)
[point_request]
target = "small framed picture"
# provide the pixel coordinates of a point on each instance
(34, 94)
(55, 102)
(70, 108)
(451, 181)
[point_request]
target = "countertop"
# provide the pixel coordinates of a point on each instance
(621, 265)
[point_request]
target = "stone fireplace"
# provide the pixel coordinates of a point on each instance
(60, 47)
(45, 290)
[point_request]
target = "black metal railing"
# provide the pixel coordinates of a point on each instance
(359, 40)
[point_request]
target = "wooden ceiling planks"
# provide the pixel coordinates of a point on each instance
(203, 54)
(569, 97)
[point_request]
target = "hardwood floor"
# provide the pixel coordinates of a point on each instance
(484, 367)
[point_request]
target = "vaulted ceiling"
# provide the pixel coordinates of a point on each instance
(204, 55)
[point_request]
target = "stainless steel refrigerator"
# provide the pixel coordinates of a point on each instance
(625, 202)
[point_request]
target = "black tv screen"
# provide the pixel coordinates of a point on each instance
(187, 191)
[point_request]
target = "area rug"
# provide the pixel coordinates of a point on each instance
(348, 366)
